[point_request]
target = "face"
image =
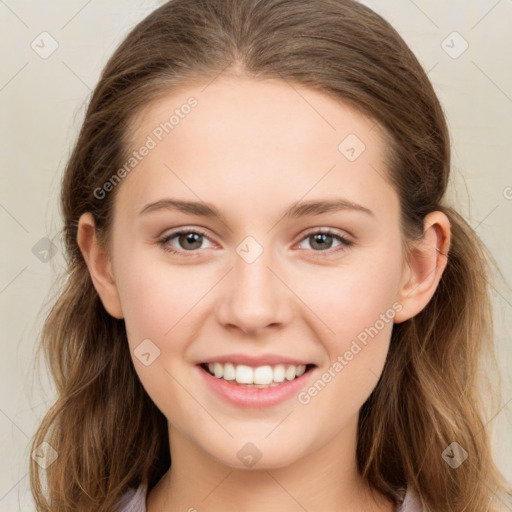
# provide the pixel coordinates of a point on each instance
(254, 286)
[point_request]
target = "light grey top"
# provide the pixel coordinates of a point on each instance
(134, 500)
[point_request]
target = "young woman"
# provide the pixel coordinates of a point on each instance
(269, 305)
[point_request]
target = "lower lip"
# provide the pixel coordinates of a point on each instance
(244, 396)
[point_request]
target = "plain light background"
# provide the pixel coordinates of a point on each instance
(464, 45)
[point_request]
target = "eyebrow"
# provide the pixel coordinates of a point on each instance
(296, 210)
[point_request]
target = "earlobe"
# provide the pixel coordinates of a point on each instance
(99, 265)
(424, 267)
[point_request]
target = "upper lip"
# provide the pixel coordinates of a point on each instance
(255, 360)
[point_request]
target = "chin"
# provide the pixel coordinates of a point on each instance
(257, 455)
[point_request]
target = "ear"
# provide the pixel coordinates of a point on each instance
(424, 267)
(99, 265)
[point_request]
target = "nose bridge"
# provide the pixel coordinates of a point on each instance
(256, 297)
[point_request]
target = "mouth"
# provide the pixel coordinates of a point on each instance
(265, 376)
(264, 386)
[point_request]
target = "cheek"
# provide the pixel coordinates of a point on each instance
(155, 315)
(360, 322)
(355, 306)
(352, 297)
(152, 304)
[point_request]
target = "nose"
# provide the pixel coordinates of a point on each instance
(254, 296)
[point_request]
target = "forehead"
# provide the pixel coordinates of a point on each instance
(231, 109)
(245, 141)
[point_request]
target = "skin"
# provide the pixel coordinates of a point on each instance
(252, 148)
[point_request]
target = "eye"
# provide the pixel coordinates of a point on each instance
(321, 241)
(188, 239)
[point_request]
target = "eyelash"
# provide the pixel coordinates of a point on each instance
(345, 243)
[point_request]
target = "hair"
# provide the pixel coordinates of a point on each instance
(108, 433)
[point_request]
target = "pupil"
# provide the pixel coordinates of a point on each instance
(192, 238)
(322, 237)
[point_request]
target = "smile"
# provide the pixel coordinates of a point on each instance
(255, 386)
(260, 376)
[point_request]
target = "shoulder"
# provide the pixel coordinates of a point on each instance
(133, 500)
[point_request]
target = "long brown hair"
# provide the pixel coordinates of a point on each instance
(106, 430)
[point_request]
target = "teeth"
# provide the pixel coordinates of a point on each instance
(300, 370)
(244, 374)
(263, 375)
(290, 373)
(279, 373)
(218, 370)
(229, 372)
(260, 376)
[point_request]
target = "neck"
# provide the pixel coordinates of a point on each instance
(326, 479)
